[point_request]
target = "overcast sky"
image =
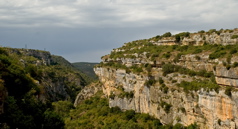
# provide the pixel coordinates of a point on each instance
(85, 30)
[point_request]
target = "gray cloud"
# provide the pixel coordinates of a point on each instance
(83, 30)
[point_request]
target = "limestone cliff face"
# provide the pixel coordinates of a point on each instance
(218, 37)
(203, 107)
(129, 70)
(87, 92)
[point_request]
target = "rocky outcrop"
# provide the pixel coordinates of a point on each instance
(87, 92)
(56, 78)
(223, 37)
(207, 108)
(166, 100)
(40, 57)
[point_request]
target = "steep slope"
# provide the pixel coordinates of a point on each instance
(177, 79)
(94, 112)
(59, 79)
(29, 81)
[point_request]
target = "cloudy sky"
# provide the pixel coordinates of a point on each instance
(85, 30)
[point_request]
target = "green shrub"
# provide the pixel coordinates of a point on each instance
(129, 114)
(158, 37)
(212, 31)
(193, 126)
(167, 34)
(197, 85)
(182, 48)
(228, 67)
(233, 51)
(234, 36)
(3, 51)
(219, 121)
(224, 63)
(166, 55)
(174, 81)
(115, 110)
(148, 67)
(217, 54)
(165, 106)
(150, 82)
(161, 81)
(178, 126)
(168, 68)
(183, 109)
(112, 96)
(179, 36)
(62, 107)
(228, 59)
(228, 91)
(136, 69)
(202, 31)
(88, 102)
(197, 57)
(165, 89)
(126, 94)
(178, 56)
(235, 64)
(196, 51)
(52, 120)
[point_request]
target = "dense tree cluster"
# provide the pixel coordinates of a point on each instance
(22, 109)
(95, 113)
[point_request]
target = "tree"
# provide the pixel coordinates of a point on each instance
(52, 120)
(167, 34)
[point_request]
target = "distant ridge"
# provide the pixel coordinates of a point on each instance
(86, 67)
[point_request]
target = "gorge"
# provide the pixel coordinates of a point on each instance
(186, 78)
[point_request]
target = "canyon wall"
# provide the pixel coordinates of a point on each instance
(207, 108)
(166, 100)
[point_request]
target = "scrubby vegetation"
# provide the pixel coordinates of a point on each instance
(180, 36)
(153, 53)
(234, 37)
(170, 68)
(95, 113)
(197, 85)
(165, 106)
(29, 103)
(86, 68)
(169, 57)
(24, 78)
(22, 109)
(228, 91)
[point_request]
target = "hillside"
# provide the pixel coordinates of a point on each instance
(37, 90)
(94, 112)
(86, 68)
(29, 81)
(184, 78)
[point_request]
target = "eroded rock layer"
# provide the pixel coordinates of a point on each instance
(176, 84)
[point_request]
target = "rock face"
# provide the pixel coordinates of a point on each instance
(43, 57)
(168, 102)
(218, 37)
(57, 78)
(87, 92)
(202, 107)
